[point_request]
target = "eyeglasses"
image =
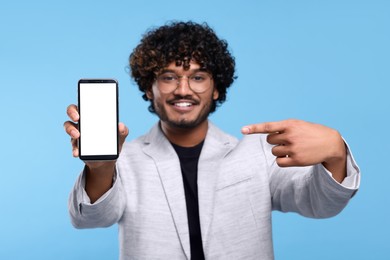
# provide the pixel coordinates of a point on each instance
(198, 82)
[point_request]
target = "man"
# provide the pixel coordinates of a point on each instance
(186, 190)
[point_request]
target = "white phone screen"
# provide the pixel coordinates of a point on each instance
(98, 120)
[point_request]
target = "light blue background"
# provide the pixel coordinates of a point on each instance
(321, 61)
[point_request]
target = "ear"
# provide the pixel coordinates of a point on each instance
(215, 94)
(149, 93)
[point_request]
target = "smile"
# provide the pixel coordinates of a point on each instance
(182, 104)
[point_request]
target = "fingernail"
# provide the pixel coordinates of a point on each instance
(245, 130)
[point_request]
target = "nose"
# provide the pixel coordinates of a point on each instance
(183, 86)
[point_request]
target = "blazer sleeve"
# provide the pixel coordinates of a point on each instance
(106, 211)
(310, 191)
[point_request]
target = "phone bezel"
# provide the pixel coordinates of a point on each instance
(106, 157)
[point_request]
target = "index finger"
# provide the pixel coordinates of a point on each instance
(264, 128)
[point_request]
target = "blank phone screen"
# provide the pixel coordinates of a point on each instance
(98, 120)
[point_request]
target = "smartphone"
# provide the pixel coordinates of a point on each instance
(99, 116)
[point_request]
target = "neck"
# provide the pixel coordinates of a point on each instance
(185, 137)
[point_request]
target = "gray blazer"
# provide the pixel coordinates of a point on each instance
(239, 184)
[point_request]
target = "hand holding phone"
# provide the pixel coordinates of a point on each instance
(100, 171)
(72, 129)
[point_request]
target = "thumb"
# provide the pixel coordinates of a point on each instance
(123, 133)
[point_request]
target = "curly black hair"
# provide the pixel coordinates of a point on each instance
(181, 42)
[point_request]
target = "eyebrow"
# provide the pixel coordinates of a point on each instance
(191, 71)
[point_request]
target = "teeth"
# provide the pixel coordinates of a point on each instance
(183, 104)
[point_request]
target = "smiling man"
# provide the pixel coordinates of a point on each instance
(187, 190)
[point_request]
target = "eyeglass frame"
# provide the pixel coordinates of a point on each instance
(178, 77)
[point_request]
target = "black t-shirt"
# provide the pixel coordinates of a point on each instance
(189, 157)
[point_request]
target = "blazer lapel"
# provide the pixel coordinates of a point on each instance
(217, 145)
(168, 167)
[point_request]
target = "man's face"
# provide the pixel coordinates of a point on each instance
(182, 107)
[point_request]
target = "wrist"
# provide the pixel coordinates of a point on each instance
(100, 167)
(337, 159)
(337, 149)
(99, 179)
